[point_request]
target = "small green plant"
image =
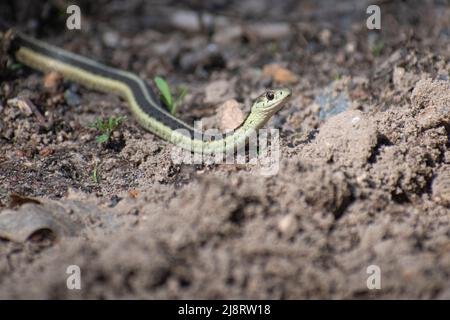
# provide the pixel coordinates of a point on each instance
(273, 47)
(106, 127)
(166, 95)
(13, 66)
(376, 47)
(95, 175)
(9, 68)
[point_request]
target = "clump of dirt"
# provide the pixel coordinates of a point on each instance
(363, 178)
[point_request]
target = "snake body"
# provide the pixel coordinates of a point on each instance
(141, 99)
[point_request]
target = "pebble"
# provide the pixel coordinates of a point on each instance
(208, 57)
(189, 20)
(52, 80)
(111, 38)
(186, 20)
(350, 47)
(325, 37)
(355, 120)
(21, 104)
(279, 74)
(133, 193)
(19, 225)
(287, 225)
(46, 151)
(268, 31)
(219, 91)
(71, 98)
(228, 35)
(230, 115)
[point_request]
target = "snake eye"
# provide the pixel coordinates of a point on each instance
(269, 95)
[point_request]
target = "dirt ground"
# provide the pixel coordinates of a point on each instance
(364, 173)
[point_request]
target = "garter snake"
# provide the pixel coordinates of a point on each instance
(141, 99)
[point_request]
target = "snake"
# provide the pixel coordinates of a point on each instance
(147, 110)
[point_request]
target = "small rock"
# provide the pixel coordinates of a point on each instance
(52, 80)
(268, 31)
(279, 74)
(46, 151)
(228, 35)
(71, 98)
(350, 47)
(325, 37)
(169, 48)
(230, 115)
(133, 193)
(190, 21)
(208, 58)
(186, 20)
(111, 38)
(22, 104)
(20, 225)
(219, 91)
(287, 225)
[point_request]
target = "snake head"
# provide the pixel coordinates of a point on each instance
(271, 101)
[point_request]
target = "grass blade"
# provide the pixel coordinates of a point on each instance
(166, 96)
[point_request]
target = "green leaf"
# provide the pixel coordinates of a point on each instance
(94, 175)
(94, 125)
(166, 96)
(101, 126)
(105, 127)
(111, 123)
(14, 66)
(377, 47)
(102, 138)
(120, 119)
